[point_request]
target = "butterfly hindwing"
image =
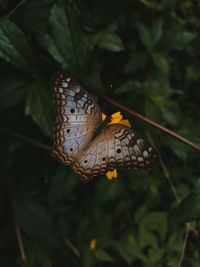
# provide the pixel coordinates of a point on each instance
(77, 116)
(117, 146)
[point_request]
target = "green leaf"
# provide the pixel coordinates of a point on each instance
(183, 38)
(103, 255)
(156, 30)
(61, 184)
(126, 87)
(160, 62)
(28, 12)
(39, 105)
(125, 250)
(189, 208)
(15, 47)
(145, 36)
(66, 41)
(13, 91)
(177, 38)
(169, 116)
(109, 41)
(34, 220)
(156, 222)
(151, 4)
(136, 61)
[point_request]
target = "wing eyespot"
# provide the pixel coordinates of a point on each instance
(72, 110)
(71, 149)
(118, 150)
(68, 130)
(103, 159)
(85, 161)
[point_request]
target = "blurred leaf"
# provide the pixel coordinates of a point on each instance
(61, 184)
(147, 238)
(66, 41)
(128, 86)
(156, 30)
(15, 47)
(177, 38)
(124, 252)
(28, 12)
(179, 149)
(156, 222)
(3, 3)
(136, 61)
(160, 62)
(102, 255)
(105, 193)
(38, 257)
(183, 38)
(169, 116)
(39, 106)
(145, 36)
(109, 41)
(149, 4)
(189, 208)
(13, 91)
(34, 220)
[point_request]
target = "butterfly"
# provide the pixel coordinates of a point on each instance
(90, 144)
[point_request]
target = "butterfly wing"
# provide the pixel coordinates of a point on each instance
(77, 116)
(117, 146)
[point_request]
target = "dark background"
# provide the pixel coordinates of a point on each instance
(145, 54)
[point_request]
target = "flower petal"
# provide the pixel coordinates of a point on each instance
(103, 115)
(117, 115)
(93, 244)
(111, 174)
(125, 122)
(118, 118)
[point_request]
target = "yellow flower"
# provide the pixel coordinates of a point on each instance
(115, 118)
(111, 174)
(93, 244)
(103, 116)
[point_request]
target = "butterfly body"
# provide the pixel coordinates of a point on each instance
(92, 145)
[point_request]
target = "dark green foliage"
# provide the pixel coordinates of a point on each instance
(149, 52)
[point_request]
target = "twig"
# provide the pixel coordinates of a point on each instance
(184, 245)
(153, 123)
(166, 173)
(14, 9)
(20, 243)
(36, 143)
(71, 247)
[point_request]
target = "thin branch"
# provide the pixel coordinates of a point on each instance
(20, 243)
(72, 247)
(167, 175)
(153, 123)
(22, 137)
(184, 245)
(12, 11)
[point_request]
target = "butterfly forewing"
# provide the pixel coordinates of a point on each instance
(77, 116)
(117, 146)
